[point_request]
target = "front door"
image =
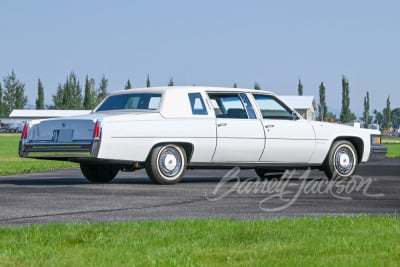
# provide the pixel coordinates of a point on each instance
(288, 139)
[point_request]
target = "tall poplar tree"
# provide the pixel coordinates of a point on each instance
(300, 88)
(322, 107)
(89, 100)
(234, 85)
(128, 85)
(388, 113)
(257, 86)
(148, 83)
(76, 92)
(345, 114)
(40, 98)
(102, 90)
(366, 110)
(1, 102)
(171, 82)
(379, 118)
(58, 102)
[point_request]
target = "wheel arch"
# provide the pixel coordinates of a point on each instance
(357, 142)
(188, 147)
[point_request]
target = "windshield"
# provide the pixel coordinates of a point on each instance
(131, 101)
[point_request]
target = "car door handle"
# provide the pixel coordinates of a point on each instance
(222, 124)
(269, 126)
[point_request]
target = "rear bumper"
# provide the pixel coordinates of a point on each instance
(377, 153)
(50, 150)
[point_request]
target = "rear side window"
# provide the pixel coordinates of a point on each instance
(197, 104)
(131, 101)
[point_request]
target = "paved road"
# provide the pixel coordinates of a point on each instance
(64, 196)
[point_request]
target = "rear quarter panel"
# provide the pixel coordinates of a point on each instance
(133, 138)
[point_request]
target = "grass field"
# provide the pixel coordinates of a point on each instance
(393, 150)
(390, 140)
(393, 146)
(327, 241)
(11, 163)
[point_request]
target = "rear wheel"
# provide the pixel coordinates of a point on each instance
(269, 173)
(166, 164)
(341, 161)
(98, 173)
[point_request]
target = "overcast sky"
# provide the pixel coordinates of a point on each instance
(213, 43)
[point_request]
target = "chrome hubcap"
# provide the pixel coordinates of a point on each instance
(170, 162)
(344, 160)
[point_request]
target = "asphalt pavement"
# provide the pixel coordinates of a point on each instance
(65, 196)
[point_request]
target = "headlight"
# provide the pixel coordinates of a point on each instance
(376, 140)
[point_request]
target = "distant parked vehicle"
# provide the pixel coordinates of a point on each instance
(15, 128)
(374, 126)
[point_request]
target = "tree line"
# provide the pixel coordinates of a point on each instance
(385, 119)
(69, 95)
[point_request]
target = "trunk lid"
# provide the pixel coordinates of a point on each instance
(72, 129)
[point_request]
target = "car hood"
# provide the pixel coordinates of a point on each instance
(327, 127)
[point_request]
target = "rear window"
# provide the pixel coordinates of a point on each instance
(131, 101)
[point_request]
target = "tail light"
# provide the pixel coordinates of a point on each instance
(24, 134)
(96, 131)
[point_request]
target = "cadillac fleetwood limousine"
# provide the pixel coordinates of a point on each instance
(169, 129)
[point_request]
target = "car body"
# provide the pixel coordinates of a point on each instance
(169, 129)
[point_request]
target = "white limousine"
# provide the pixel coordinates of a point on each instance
(169, 129)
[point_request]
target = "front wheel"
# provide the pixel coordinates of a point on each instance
(341, 161)
(98, 173)
(166, 164)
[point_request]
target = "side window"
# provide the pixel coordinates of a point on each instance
(271, 108)
(228, 105)
(197, 104)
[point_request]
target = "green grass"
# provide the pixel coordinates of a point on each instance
(393, 150)
(390, 140)
(11, 163)
(327, 241)
(393, 146)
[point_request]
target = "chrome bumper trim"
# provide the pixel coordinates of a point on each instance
(377, 153)
(59, 150)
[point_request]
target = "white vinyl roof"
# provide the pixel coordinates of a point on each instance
(299, 101)
(46, 113)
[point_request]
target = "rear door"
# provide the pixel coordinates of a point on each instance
(240, 135)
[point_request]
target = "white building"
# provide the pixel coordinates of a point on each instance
(305, 105)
